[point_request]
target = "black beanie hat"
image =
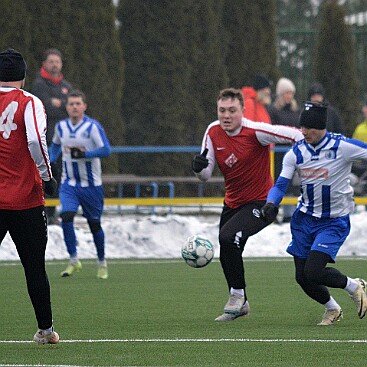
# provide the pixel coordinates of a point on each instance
(313, 116)
(261, 82)
(12, 66)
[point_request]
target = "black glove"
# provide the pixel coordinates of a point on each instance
(200, 161)
(269, 212)
(76, 153)
(50, 187)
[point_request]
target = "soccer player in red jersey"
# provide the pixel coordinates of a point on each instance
(24, 172)
(241, 148)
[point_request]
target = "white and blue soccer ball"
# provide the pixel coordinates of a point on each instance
(197, 251)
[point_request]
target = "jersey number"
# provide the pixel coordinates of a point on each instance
(8, 117)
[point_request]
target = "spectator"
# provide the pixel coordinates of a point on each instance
(359, 167)
(360, 131)
(285, 111)
(257, 98)
(51, 88)
(241, 149)
(24, 168)
(83, 142)
(335, 124)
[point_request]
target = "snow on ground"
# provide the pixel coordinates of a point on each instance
(161, 236)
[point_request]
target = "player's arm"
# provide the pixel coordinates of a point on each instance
(277, 134)
(100, 141)
(204, 172)
(36, 126)
(353, 149)
(270, 210)
(54, 151)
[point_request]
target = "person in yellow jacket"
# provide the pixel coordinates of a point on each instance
(360, 132)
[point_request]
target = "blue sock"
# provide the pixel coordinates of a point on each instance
(69, 237)
(99, 242)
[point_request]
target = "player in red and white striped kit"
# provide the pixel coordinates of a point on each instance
(241, 149)
(24, 169)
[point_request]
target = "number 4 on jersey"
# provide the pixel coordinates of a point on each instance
(8, 117)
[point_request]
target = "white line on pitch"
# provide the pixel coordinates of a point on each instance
(199, 340)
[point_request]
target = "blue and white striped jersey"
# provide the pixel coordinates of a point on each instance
(89, 136)
(324, 172)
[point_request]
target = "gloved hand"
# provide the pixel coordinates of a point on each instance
(76, 153)
(269, 212)
(50, 187)
(200, 161)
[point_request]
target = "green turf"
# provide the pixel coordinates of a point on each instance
(162, 314)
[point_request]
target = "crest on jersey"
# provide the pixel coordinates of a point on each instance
(330, 154)
(231, 160)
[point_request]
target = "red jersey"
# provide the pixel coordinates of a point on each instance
(23, 150)
(244, 158)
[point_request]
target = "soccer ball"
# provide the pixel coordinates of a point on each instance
(197, 251)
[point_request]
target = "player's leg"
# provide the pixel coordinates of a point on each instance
(330, 237)
(91, 200)
(69, 207)
(304, 230)
(235, 227)
(28, 230)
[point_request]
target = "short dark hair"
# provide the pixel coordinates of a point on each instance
(231, 93)
(51, 51)
(77, 93)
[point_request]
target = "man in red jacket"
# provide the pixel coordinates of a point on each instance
(257, 98)
(51, 88)
(24, 169)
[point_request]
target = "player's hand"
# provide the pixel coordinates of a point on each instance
(50, 187)
(76, 153)
(269, 212)
(200, 161)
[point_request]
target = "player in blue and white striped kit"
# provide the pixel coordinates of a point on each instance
(321, 222)
(83, 142)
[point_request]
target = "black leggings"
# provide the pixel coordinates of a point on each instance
(28, 230)
(236, 226)
(314, 277)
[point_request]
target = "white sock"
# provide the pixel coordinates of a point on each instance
(240, 292)
(73, 260)
(331, 304)
(352, 285)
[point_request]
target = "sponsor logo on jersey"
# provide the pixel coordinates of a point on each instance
(220, 148)
(314, 173)
(231, 160)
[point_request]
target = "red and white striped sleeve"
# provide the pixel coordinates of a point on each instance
(36, 126)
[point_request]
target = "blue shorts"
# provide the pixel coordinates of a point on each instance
(325, 235)
(89, 198)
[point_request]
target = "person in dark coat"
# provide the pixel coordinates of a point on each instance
(335, 124)
(51, 88)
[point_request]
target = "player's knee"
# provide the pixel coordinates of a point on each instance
(313, 275)
(94, 226)
(300, 279)
(67, 216)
